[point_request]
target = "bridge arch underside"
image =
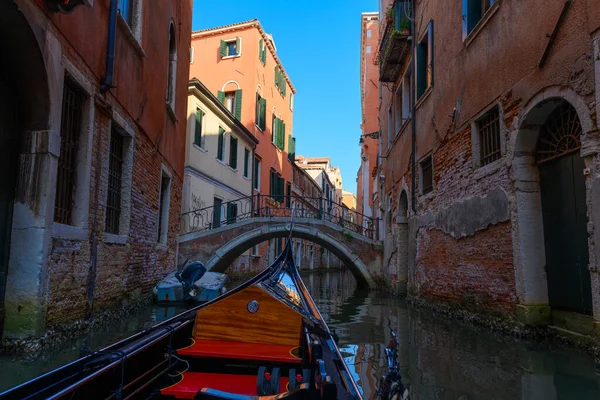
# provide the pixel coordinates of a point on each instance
(226, 255)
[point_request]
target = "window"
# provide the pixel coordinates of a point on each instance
(232, 101)
(425, 62)
(473, 12)
(172, 74)
(217, 205)
(406, 93)
(277, 187)
(233, 151)
(231, 48)
(368, 33)
(262, 52)
(426, 175)
(198, 128)
(256, 173)
(280, 82)
(254, 250)
(115, 178)
(231, 213)
(246, 162)
(220, 142)
(292, 101)
(163, 207)
(291, 148)
(70, 129)
(488, 129)
(368, 49)
(278, 133)
(261, 112)
(288, 194)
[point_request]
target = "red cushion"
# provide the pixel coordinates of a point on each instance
(191, 382)
(240, 351)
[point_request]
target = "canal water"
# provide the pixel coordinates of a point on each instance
(439, 358)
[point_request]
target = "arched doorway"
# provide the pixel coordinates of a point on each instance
(564, 210)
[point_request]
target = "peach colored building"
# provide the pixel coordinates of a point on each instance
(369, 89)
(239, 64)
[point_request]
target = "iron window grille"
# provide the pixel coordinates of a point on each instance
(489, 137)
(427, 175)
(70, 130)
(115, 182)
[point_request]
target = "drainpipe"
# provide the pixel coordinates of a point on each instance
(107, 82)
(413, 85)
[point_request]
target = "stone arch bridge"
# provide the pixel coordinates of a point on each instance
(218, 246)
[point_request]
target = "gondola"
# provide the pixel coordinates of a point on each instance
(262, 340)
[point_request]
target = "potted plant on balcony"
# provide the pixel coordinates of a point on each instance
(405, 27)
(389, 15)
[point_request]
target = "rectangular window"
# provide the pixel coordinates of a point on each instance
(406, 93)
(291, 148)
(368, 49)
(217, 205)
(198, 138)
(220, 142)
(231, 213)
(288, 194)
(488, 128)
(115, 178)
(292, 101)
(70, 129)
(277, 187)
(368, 33)
(233, 152)
(230, 101)
(163, 207)
(261, 112)
(425, 62)
(246, 162)
(254, 250)
(473, 12)
(426, 175)
(390, 131)
(256, 177)
(230, 48)
(262, 52)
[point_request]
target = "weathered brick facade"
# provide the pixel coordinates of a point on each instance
(476, 241)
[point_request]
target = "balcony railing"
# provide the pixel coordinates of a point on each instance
(396, 41)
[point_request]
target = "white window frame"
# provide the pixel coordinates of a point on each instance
(202, 145)
(428, 155)
(257, 184)
(172, 67)
(247, 166)
(134, 31)
(238, 41)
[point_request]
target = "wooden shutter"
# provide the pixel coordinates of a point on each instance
(430, 49)
(198, 128)
(220, 144)
(282, 136)
(223, 49)
(261, 44)
(263, 114)
(238, 104)
(257, 110)
(221, 96)
(274, 130)
(233, 153)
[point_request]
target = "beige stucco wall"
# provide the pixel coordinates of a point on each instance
(205, 175)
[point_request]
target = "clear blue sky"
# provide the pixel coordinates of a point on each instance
(318, 43)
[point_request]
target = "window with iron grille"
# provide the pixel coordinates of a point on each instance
(115, 181)
(426, 175)
(70, 130)
(488, 128)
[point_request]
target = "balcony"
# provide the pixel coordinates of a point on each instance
(396, 42)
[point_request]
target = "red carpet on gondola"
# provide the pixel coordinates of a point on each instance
(240, 351)
(194, 381)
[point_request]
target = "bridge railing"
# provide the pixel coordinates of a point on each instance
(244, 208)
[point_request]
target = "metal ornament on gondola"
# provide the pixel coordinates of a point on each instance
(66, 6)
(252, 306)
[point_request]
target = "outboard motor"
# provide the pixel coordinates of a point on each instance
(190, 274)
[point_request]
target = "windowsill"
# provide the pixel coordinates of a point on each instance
(247, 178)
(115, 239)
(230, 57)
(274, 145)
(428, 195)
(482, 22)
(258, 127)
(135, 42)
(200, 148)
(161, 246)
(424, 96)
(171, 112)
(490, 169)
(231, 168)
(221, 162)
(69, 232)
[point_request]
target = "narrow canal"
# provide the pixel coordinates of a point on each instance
(439, 358)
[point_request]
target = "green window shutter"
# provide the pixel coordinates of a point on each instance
(198, 128)
(261, 45)
(284, 87)
(238, 104)
(263, 56)
(220, 144)
(283, 136)
(221, 97)
(274, 130)
(257, 111)
(233, 150)
(430, 48)
(223, 49)
(263, 114)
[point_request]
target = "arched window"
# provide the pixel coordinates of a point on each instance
(172, 75)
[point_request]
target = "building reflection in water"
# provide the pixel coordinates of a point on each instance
(440, 358)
